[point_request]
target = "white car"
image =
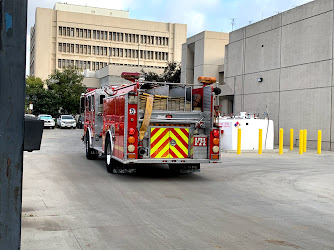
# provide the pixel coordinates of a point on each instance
(48, 121)
(66, 121)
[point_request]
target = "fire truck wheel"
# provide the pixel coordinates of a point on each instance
(91, 154)
(109, 160)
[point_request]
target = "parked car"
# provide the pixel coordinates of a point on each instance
(81, 121)
(66, 121)
(48, 121)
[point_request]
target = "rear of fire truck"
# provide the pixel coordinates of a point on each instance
(157, 123)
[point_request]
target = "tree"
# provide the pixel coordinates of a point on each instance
(44, 101)
(172, 73)
(67, 85)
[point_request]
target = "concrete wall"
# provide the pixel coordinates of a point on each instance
(203, 55)
(293, 53)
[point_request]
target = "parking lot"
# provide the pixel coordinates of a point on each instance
(246, 202)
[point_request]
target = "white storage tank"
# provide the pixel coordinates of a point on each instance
(249, 132)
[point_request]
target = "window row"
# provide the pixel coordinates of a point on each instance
(66, 63)
(63, 63)
(113, 36)
(111, 52)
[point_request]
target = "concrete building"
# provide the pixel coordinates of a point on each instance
(92, 38)
(284, 65)
(203, 55)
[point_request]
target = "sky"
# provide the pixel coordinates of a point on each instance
(199, 15)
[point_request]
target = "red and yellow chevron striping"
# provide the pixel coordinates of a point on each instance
(169, 142)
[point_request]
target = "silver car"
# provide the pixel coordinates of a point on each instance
(66, 121)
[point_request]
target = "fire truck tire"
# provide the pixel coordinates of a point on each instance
(91, 154)
(110, 162)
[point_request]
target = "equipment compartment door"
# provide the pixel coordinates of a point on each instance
(169, 142)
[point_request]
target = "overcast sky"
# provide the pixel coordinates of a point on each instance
(199, 15)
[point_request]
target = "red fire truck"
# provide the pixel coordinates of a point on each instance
(152, 123)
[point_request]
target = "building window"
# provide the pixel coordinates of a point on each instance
(136, 53)
(101, 65)
(125, 53)
(166, 57)
(72, 31)
(77, 64)
(97, 34)
(137, 38)
(152, 55)
(121, 52)
(72, 48)
(63, 63)
(130, 40)
(156, 55)
(113, 51)
(81, 49)
(68, 31)
(106, 35)
(114, 36)
(93, 65)
(110, 36)
(126, 37)
(94, 34)
(80, 65)
(60, 31)
(81, 33)
(117, 39)
(59, 63)
(105, 64)
(64, 31)
(85, 33)
(60, 47)
(72, 63)
(145, 39)
(121, 37)
(141, 54)
(117, 52)
(68, 48)
(166, 41)
(77, 32)
(156, 40)
(84, 65)
(141, 38)
(64, 47)
(85, 49)
(97, 50)
(102, 35)
(77, 48)
(93, 50)
(97, 66)
(152, 40)
(105, 51)
(89, 49)
(89, 34)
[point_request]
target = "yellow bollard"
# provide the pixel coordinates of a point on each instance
(319, 142)
(239, 142)
(281, 141)
(291, 139)
(301, 139)
(305, 140)
(260, 141)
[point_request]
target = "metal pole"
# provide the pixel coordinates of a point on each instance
(13, 30)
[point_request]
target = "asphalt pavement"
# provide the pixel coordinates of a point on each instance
(246, 202)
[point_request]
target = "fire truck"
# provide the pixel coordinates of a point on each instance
(152, 123)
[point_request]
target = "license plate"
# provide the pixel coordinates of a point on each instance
(200, 141)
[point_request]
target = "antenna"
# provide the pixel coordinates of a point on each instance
(233, 23)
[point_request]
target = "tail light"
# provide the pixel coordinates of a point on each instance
(214, 144)
(132, 131)
(215, 133)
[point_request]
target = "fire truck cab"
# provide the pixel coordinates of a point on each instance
(152, 123)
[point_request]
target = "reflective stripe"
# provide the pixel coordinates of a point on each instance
(161, 146)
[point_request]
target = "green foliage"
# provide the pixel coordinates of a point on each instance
(67, 84)
(63, 93)
(172, 73)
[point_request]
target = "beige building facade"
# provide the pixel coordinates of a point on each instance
(92, 38)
